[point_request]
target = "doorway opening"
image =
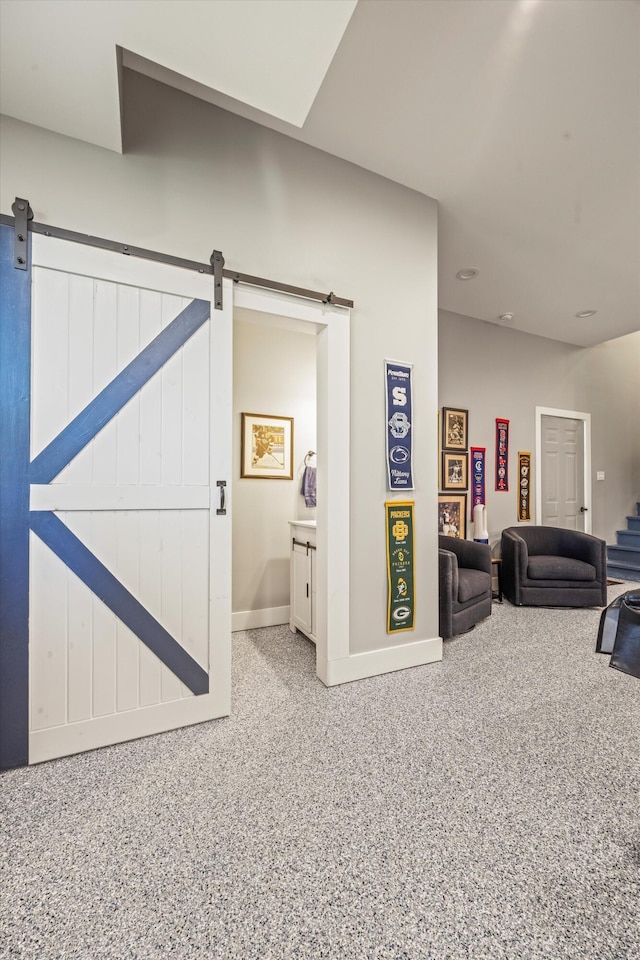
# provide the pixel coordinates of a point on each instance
(563, 468)
(292, 355)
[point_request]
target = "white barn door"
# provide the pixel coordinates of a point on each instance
(130, 573)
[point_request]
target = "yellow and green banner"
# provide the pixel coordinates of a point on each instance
(400, 573)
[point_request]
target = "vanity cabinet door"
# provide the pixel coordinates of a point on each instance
(301, 588)
(312, 588)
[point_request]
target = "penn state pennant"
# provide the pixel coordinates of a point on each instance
(524, 485)
(399, 408)
(502, 454)
(477, 476)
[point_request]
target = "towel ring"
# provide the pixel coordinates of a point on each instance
(311, 453)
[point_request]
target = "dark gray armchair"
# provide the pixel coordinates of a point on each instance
(465, 584)
(553, 567)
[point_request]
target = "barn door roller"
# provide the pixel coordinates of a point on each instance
(217, 266)
(22, 213)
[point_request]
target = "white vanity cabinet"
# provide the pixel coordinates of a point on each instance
(302, 615)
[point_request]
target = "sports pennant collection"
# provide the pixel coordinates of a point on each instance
(477, 476)
(400, 574)
(524, 485)
(399, 422)
(502, 454)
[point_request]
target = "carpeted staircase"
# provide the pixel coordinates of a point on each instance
(623, 558)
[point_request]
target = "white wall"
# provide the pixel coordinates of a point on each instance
(609, 388)
(195, 178)
(274, 372)
(495, 371)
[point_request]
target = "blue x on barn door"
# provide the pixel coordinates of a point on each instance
(84, 660)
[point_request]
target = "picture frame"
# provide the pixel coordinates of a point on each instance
(455, 471)
(452, 515)
(455, 424)
(266, 447)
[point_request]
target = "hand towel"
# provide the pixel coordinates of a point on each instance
(308, 490)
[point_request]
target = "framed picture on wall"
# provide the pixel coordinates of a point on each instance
(452, 515)
(454, 428)
(266, 447)
(455, 471)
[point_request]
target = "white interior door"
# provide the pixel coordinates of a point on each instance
(563, 473)
(130, 572)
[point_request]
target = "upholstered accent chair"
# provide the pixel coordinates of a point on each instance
(553, 567)
(625, 655)
(465, 584)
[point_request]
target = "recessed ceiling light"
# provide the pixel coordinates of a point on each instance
(504, 317)
(469, 273)
(585, 313)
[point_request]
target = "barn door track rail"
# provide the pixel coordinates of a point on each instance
(23, 222)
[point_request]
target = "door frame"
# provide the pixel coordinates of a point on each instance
(333, 447)
(586, 437)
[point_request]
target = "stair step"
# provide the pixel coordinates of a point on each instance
(623, 557)
(628, 538)
(623, 571)
(617, 552)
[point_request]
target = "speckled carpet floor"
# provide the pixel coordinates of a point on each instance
(485, 807)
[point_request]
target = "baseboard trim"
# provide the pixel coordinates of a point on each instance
(253, 619)
(359, 666)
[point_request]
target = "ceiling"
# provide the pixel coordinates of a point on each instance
(521, 117)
